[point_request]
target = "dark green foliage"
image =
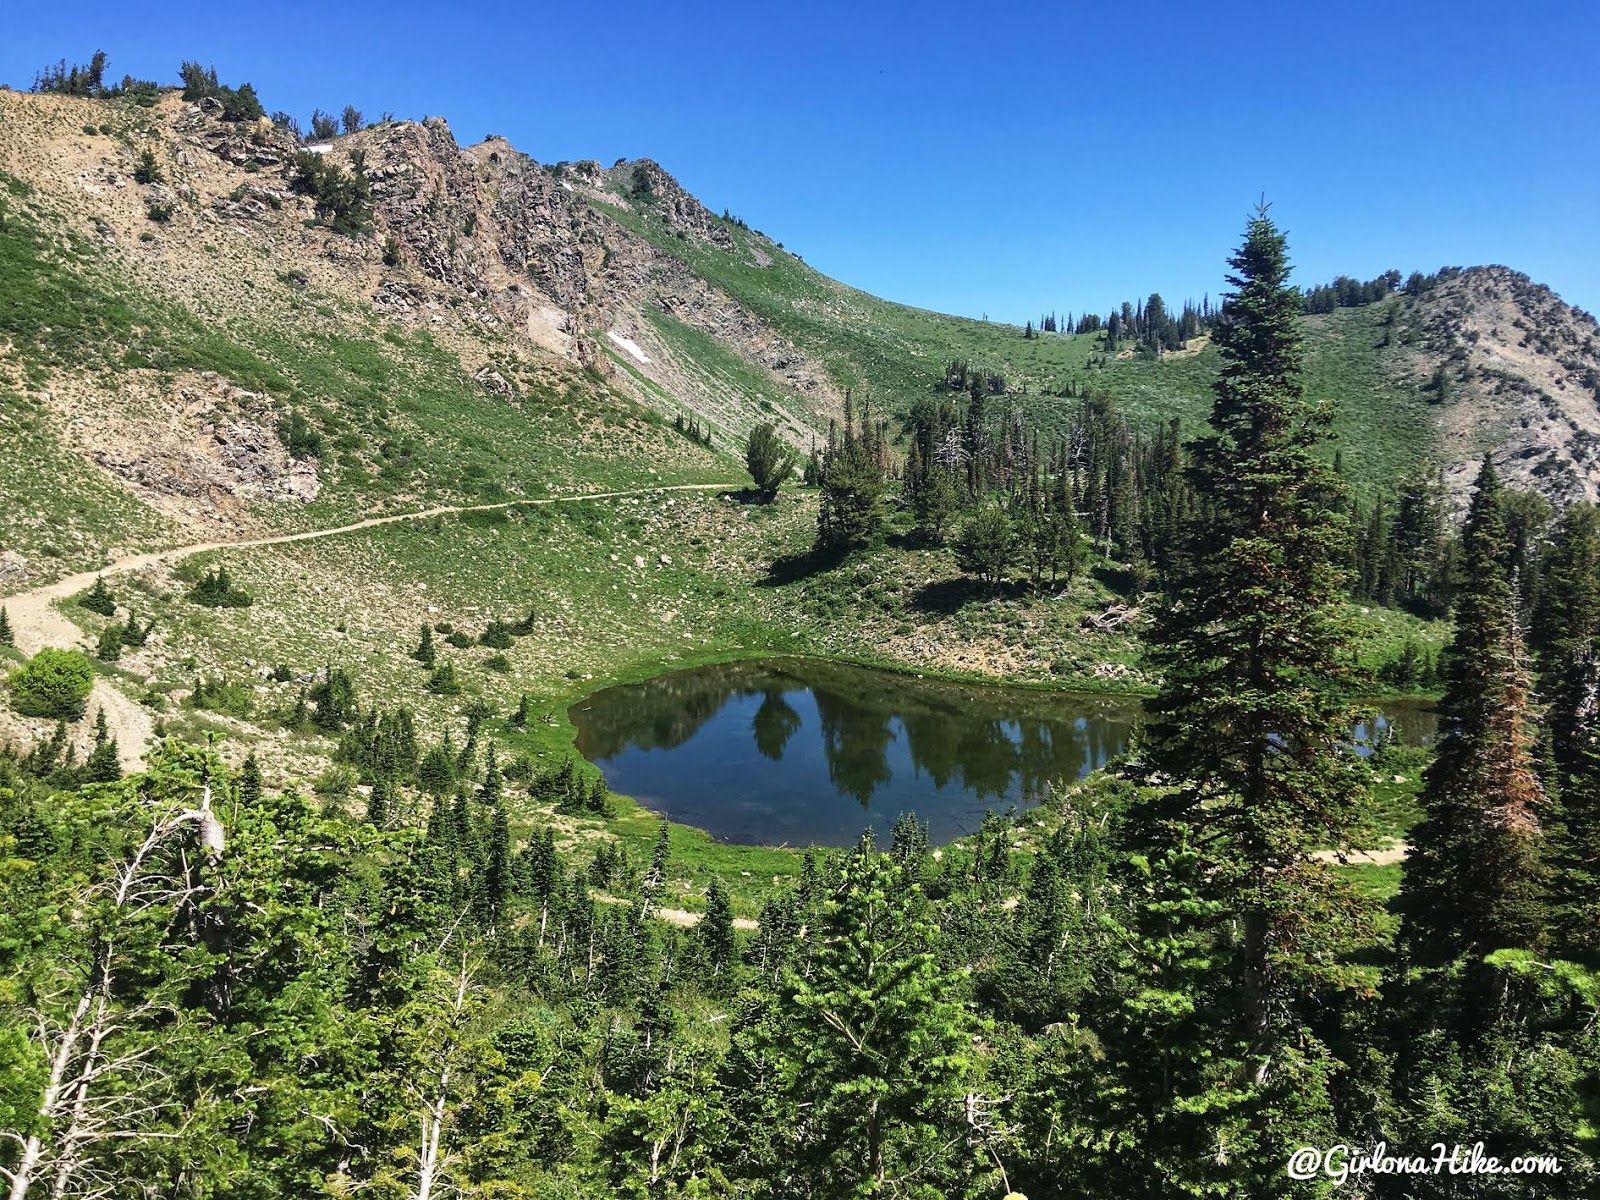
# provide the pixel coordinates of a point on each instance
(146, 169)
(250, 782)
(987, 544)
(497, 663)
(443, 681)
(104, 764)
(109, 646)
(1472, 883)
(382, 747)
(1257, 674)
(768, 460)
(7, 638)
(851, 472)
(298, 436)
(496, 636)
(324, 126)
(135, 635)
(380, 803)
(342, 199)
(718, 942)
(215, 590)
(424, 652)
(334, 701)
(351, 120)
(460, 640)
(53, 683)
(87, 80)
(519, 718)
(238, 104)
(222, 695)
(98, 599)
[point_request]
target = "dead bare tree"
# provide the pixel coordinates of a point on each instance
(87, 1032)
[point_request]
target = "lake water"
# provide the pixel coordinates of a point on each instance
(800, 752)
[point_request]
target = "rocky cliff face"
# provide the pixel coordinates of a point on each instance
(532, 244)
(1515, 374)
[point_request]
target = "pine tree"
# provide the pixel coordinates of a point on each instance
(1256, 667)
(109, 646)
(489, 790)
(519, 718)
(769, 461)
(99, 599)
(443, 681)
(250, 782)
(497, 870)
(7, 638)
(380, 803)
(870, 1049)
(850, 515)
(1472, 883)
(425, 653)
(104, 764)
(715, 932)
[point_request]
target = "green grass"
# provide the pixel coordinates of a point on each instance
(403, 422)
(896, 352)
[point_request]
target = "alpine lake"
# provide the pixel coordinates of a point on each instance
(803, 752)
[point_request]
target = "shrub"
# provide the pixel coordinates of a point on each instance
(109, 647)
(496, 636)
(334, 700)
(342, 201)
(459, 640)
(147, 169)
(443, 681)
(98, 599)
(221, 695)
(298, 436)
(499, 663)
(53, 683)
(216, 590)
(160, 213)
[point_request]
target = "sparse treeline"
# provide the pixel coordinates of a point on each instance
(1014, 494)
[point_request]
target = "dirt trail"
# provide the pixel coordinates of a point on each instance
(37, 623)
(1388, 856)
(675, 916)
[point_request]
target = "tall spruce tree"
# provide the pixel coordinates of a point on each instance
(1472, 882)
(1251, 723)
(7, 638)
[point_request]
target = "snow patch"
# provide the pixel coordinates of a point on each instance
(628, 344)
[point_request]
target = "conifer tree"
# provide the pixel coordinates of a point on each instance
(1472, 884)
(519, 718)
(850, 515)
(250, 782)
(769, 461)
(497, 869)
(7, 638)
(489, 790)
(715, 931)
(380, 803)
(1256, 667)
(425, 653)
(443, 681)
(104, 764)
(109, 646)
(99, 599)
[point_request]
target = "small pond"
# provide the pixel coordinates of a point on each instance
(802, 752)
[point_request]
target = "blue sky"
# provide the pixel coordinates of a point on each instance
(980, 158)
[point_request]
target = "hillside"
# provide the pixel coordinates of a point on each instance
(502, 328)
